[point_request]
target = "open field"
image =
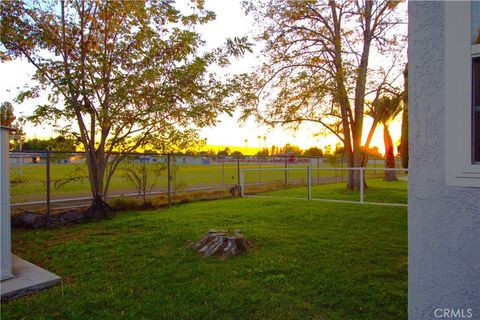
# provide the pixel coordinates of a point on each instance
(310, 260)
(28, 181)
(71, 180)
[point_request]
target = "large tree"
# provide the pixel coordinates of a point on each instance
(318, 66)
(121, 75)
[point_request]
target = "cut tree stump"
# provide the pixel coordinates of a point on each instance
(223, 244)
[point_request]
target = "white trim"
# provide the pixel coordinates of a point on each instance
(475, 50)
(6, 240)
(459, 170)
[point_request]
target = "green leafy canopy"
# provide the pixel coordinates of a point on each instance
(120, 74)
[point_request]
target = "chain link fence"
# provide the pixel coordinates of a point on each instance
(329, 184)
(46, 181)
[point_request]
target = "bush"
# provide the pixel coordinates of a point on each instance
(132, 203)
(125, 204)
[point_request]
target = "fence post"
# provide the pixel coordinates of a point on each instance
(286, 177)
(242, 182)
(169, 186)
(309, 183)
(21, 160)
(259, 159)
(223, 170)
(238, 175)
(343, 164)
(48, 183)
(361, 185)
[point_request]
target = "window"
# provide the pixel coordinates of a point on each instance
(475, 23)
(475, 8)
(476, 110)
(462, 93)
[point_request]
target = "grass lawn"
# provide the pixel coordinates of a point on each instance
(377, 191)
(311, 260)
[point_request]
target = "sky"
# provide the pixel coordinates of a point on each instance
(230, 22)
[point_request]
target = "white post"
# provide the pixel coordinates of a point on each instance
(6, 242)
(361, 185)
(242, 182)
(21, 155)
(309, 183)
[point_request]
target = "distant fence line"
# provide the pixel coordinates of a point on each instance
(309, 179)
(46, 180)
(58, 157)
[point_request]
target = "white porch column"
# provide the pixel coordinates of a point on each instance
(5, 236)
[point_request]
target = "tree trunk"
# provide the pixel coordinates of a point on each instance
(352, 124)
(389, 156)
(96, 172)
(99, 209)
(368, 141)
(360, 87)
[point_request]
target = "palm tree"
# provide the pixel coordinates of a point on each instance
(259, 138)
(265, 149)
(383, 111)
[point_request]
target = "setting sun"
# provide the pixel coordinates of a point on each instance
(228, 133)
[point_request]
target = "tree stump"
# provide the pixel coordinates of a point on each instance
(222, 244)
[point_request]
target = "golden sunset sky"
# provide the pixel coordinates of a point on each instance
(231, 21)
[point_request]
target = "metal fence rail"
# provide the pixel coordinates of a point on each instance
(48, 180)
(303, 189)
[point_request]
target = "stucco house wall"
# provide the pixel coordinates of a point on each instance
(443, 221)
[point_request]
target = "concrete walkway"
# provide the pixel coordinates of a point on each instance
(28, 278)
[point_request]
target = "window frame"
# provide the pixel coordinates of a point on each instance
(475, 82)
(460, 169)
